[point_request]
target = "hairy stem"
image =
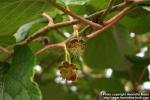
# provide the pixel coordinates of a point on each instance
(67, 23)
(139, 1)
(46, 48)
(74, 15)
(4, 50)
(50, 20)
(75, 26)
(116, 18)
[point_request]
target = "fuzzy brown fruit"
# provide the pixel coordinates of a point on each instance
(68, 71)
(76, 46)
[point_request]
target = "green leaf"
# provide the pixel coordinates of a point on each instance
(14, 13)
(139, 25)
(22, 32)
(147, 8)
(138, 66)
(139, 60)
(18, 81)
(74, 2)
(98, 4)
(4, 67)
(137, 11)
(55, 37)
(137, 71)
(6, 40)
(79, 9)
(108, 49)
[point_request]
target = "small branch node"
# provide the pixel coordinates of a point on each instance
(50, 20)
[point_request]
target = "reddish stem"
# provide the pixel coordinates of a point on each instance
(75, 16)
(4, 50)
(50, 20)
(114, 20)
(46, 48)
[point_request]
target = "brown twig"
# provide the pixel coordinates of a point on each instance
(4, 50)
(137, 1)
(117, 18)
(114, 8)
(75, 26)
(119, 15)
(113, 18)
(58, 45)
(61, 45)
(142, 75)
(84, 29)
(95, 25)
(42, 30)
(50, 20)
(7, 52)
(67, 23)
